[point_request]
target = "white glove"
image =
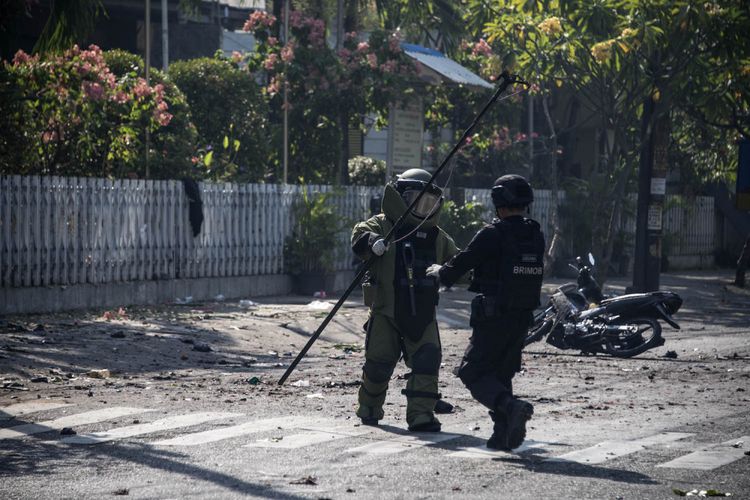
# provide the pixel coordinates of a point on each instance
(379, 247)
(434, 271)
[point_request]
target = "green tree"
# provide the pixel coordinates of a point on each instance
(630, 62)
(231, 116)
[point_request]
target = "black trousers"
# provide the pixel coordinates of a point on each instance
(493, 356)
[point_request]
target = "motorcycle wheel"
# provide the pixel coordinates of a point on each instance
(541, 326)
(641, 339)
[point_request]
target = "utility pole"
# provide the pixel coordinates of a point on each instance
(164, 35)
(286, 97)
(652, 175)
(147, 69)
(339, 25)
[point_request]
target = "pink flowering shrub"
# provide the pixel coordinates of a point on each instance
(498, 146)
(72, 116)
(327, 91)
(173, 145)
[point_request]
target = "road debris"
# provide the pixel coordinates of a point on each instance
(301, 383)
(670, 355)
(310, 480)
(202, 347)
(103, 373)
(319, 305)
(700, 493)
(119, 314)
(248, 304)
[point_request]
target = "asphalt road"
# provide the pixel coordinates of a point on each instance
(191, 408)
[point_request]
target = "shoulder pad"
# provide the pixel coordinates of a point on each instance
(532, 223)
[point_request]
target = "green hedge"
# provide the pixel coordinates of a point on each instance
(230, 115)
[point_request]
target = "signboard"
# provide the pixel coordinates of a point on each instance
(405, 131)
(654, 217)
(658, 186)
(743, 176)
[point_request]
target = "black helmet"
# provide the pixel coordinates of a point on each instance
(410, 183)
(512, 191)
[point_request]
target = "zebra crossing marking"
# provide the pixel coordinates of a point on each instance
(452, 320)
(712, 457)
(321, 430)
(90, 417)
(607, 450)
(164, 424)
(252, 427)
(18, 409)
(403, 443)
(309, 437)
(484, 452)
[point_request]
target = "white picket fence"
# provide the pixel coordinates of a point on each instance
(66, 231)
(689, 224)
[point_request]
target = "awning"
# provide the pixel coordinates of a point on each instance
(437, 68)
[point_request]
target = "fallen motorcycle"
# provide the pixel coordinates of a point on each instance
(578, 316)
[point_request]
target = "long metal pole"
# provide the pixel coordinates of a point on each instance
(506, 80)
(164, 35)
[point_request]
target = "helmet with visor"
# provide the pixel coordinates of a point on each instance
(411, 183)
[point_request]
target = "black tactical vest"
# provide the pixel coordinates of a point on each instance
(514, 279)
(521, 266)
(416, 295)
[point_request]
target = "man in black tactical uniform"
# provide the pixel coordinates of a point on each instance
(507, 259)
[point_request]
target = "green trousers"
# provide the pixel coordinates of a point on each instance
(383, 348)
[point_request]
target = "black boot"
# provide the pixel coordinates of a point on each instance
(429, 426)
(517, 412)
(443, 407)
(498, 439)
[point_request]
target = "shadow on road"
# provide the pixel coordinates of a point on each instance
(47, 459)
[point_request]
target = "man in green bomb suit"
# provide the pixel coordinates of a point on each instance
(403, 299)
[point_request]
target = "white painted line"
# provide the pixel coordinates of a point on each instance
(484, 452)
(600, 452)
(18, 409)
(213, 435)
(164, 424)
(313, 436)
(607, 450)
(452, 321)
(712, 457)
(663, 438)
(403, 443)
(296, 440)
(78, 419)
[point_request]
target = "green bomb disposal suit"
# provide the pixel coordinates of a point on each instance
(402, 304)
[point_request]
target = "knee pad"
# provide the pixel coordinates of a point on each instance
(426, 361)
(377, 373)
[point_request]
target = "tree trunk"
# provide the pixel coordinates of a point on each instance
(614, 223)
(555, 243)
